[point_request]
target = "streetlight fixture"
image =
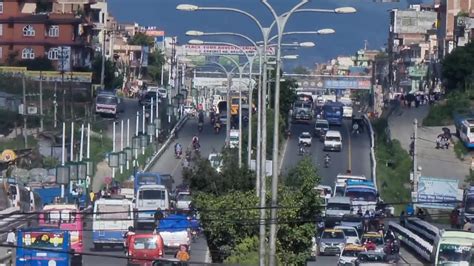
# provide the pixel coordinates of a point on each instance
(187, 7)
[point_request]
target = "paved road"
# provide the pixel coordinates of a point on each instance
(354, 155)
(167, 164)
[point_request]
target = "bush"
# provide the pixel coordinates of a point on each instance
(441, 114)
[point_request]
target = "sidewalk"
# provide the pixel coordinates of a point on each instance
(435, 163)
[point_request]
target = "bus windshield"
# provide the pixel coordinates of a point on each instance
(339, 206)
(361, 195)
(147, 179)
(453, 254)
(152, 194)
(112, 212)
(470, 204)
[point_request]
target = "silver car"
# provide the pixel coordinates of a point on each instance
(331, 242)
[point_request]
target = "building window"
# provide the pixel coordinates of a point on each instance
(1, 6)
(53, 54)
(28, 53)
(53, 31)
(28, 30)
(1, 52)
(1, 29)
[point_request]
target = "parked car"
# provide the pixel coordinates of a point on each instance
(305, 139)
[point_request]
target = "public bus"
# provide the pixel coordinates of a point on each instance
(332, 112)
(111, 219)
(454, 248)
(65, 217)
(43, 247)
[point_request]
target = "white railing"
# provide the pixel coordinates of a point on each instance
(372, 151)
(412, 240)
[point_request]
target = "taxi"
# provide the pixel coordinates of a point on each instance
(349, 254)
(374, 237)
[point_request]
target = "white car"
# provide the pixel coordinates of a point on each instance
(352, 236)
(305, 138)
(347, 111)
(162, 92)
(333, 141)
(216, 161)
(183, 199)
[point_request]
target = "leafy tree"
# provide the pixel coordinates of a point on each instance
(458, 68)
(245, 252)
(109, 73)
(301, 70)
(142, 39)
(38, 64)
(155, 61)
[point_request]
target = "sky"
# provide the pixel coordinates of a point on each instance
(370, 24)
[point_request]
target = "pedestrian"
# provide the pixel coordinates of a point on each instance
(402, 218)
(158, 217)
(453, 218)
(366, 221)
(11, 237)
(182, 254)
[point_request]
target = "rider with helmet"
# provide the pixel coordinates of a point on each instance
(178, 149)
(196, 142)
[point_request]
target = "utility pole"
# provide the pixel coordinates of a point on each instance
(415, 163)
(102, 69)
(41, 103)
(55, 103)
(24, 112)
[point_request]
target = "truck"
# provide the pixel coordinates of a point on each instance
(43, 247)
(151, 178)
(465, 129)
(147, 200)
(364, 195)
(174, 229)
(302, 110)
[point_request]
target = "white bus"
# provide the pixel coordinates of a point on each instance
(148, 199)
(455, 248)
(341, 181)
(111, 220)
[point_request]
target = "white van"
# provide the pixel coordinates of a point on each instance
(333, 141)
(148, 199)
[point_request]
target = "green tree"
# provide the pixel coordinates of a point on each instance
(301, 70)
(155, 61)
(142, 39)
(109, 72)
(458, 68)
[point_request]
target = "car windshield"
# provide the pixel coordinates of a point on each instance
(305, 136)
(152, 194)
(349, 231)
(339, 206)
(339, 191)
(361, 195)
(184, 197)
(145, 243)
(322, 125)
(337, 139)
(452, 254)
(377, 240)
(350, 252)
(106, 100)
(333, 235)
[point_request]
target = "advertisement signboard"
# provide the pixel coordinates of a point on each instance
(437, 193)
(83, 77)
(348, 83)
(210, 49)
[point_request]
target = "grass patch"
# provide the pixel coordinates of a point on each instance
(441, 113)
(18, 143)
(460, 150)
(393, 168)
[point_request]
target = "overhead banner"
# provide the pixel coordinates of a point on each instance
(206, 49)
(437, 193)
(82, 77)
(353, 84)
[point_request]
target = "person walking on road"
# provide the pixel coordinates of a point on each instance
(11, 237)
(158, 217)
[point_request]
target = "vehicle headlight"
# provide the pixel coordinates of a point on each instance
(323, 244)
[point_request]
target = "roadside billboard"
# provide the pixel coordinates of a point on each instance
(83, 77)
(211, 49)
(437, 193)
(347, 83)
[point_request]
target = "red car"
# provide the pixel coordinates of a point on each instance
(144, 248)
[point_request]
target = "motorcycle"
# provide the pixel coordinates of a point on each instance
(178, 153)
(302, 150)
(196, 146)
(217, 128)
(326, 162)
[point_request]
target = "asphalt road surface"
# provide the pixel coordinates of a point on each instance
(167, 164)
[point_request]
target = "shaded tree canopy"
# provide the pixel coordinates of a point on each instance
(458, 68)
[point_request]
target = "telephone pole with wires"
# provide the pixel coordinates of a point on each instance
(413, 152)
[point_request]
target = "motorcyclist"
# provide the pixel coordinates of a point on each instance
(178, 149)
(201, 117)
(302, 149)
(327, 158)
(355, 128)
(196, 142)
(217, 125)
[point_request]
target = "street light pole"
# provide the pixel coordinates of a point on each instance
(281, 23)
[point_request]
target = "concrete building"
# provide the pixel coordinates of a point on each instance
(52, 30)
(464, 32)
(447, 12)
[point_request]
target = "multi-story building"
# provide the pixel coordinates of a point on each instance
(31, 29)
(464, 31)
(448, 10)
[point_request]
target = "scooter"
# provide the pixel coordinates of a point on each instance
(178, 154)
(326, 162)
(217, 128)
